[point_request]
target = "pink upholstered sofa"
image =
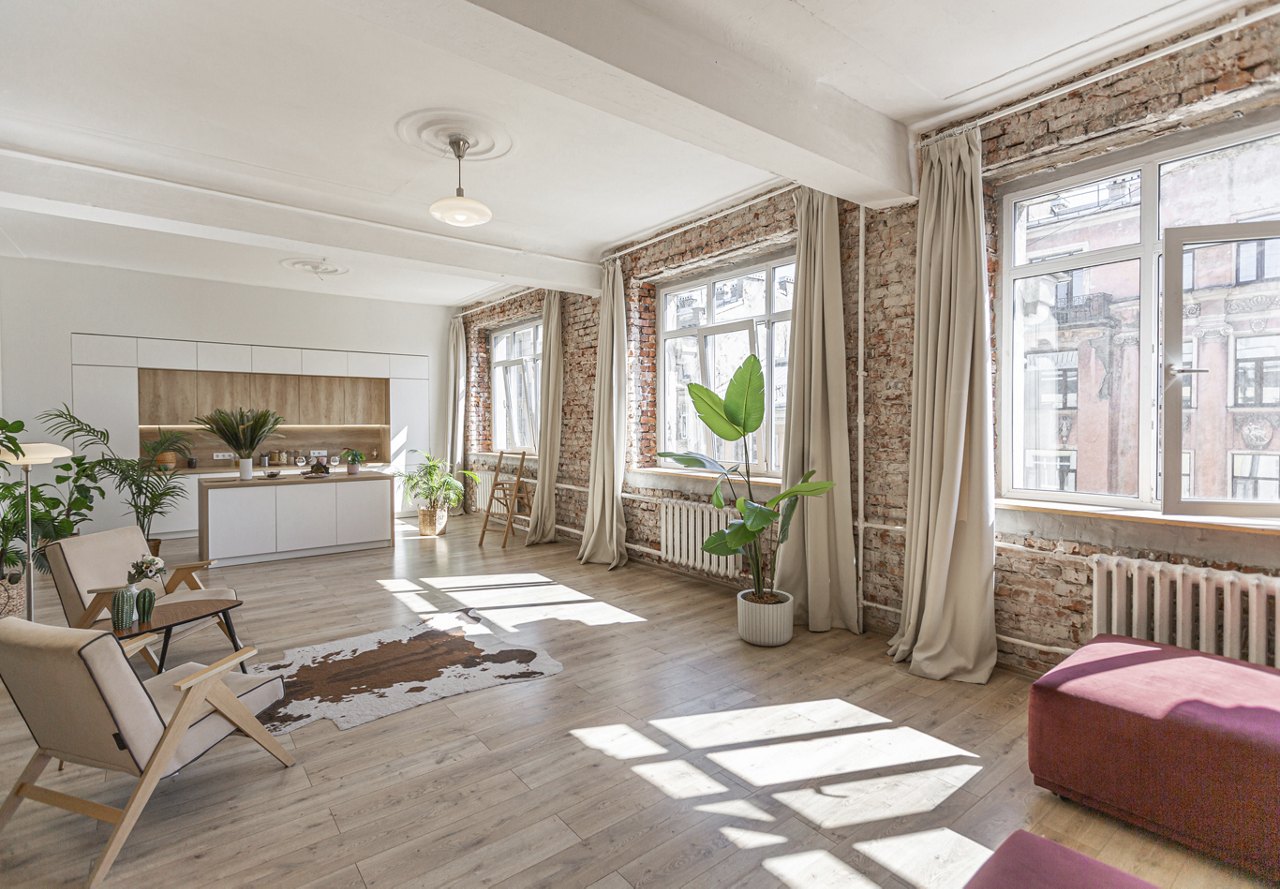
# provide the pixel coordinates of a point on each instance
(1026, 861)
(1181, 743)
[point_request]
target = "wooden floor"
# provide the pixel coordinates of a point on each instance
(667, 753)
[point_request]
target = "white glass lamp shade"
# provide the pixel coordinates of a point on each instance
(35, 454)
(461, 211)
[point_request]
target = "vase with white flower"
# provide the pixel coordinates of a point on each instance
(144, 569)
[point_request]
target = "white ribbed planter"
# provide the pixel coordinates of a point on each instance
(766, 624)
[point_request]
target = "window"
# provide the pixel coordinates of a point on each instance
(1051, 470)
(708, 328)
(1092, 342)
(1257, 373)
(1255, 476)
(515, 377)
(1257, 261)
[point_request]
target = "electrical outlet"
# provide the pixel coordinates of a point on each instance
(319, 453)
(223, 455)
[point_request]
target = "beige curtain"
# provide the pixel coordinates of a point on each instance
(457, 376)
(817, 562)
(604, 534)
(948, 612)
(542, 523)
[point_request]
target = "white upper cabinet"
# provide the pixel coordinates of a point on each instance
(324, 363)
(113, 351)
(368, 364)
(412, 367)
(273, 360)
(168, 354)
(225, 357)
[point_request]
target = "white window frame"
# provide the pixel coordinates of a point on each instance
(495, 364)
(1147, 251)
(767, 464)
(1072, 456)
(1176, 240)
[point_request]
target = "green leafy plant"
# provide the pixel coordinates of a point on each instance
(242, 430)
(433, 484)
(13, 524)
(350, 455)
(736, 417)
(149, 490)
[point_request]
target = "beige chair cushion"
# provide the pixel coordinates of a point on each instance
(257, 691)
(78, 695)
(95, 561)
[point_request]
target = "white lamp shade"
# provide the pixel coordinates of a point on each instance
(35, 454)
(461, 211)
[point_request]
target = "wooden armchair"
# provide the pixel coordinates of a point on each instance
(87, 570)
(83, 703)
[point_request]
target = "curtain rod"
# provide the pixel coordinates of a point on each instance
(498, 302)
(1241, 20)
(701, 221)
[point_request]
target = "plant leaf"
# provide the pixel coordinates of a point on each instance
(717, 497)
(691, 460)
(711, 410)
(804, 488)
(744, 399)
(788, 513)
(731, 540)
(755, 516)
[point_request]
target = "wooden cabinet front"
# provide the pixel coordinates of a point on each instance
(166, 397)
(277, 392)
(366, 401)
(321, 401)
(223, 390)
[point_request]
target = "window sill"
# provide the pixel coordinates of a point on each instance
(1242, 524)
(659, 472)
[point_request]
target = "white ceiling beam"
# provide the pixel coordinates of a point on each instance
(81, 191)
(616, 57)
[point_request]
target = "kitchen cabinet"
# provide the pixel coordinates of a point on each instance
(276, 360)
(104, 351)
(410, 431)
(277, 392)
(369, 364)
(167, 397)
(322, 401)
(228, 357)
(365, 401)
(237, 522)
(306, 516)
(107, 397)
(324, 363)
(363, 513)
(168, 354)
(223, 390)
(415, 367)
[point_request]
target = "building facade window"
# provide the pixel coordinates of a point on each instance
(1255, 476)
(707, 328)
(515, 377)
(1257, 371)
(1083, 276)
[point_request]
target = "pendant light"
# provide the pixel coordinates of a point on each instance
(459, 209)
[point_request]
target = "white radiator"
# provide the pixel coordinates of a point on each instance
(1220, 612)
(684, 526)
(484, 487)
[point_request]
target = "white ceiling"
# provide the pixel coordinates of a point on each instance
(213, 139)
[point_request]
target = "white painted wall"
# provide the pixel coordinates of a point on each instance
(42, 303)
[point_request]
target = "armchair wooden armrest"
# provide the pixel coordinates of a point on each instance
(213, 671)
(100, 602)
(138, 643)
(180, 574)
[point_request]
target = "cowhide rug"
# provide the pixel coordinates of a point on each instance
(357, 680)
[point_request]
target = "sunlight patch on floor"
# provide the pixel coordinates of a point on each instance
(590, 613)
(483, 581)
(679, 779)
(399, 585)
(930, 859)
(541, 594)
(875, 799)
(836, 755)
(737, 808)
(816, 870)
(751, 839)
(766, 723)
(619, 741)
(416, 603)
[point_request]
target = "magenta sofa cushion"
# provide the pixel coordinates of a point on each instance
(1182, 743)
(1026, 861)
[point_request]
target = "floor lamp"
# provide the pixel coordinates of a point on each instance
(35, 454)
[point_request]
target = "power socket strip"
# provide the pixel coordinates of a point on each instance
(223, 455)
(319, 453)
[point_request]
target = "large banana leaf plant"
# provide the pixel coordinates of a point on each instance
(737, 416)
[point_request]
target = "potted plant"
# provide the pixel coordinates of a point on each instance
(353, 459)
(765, 614)
(148, 489)
(437, 491)
(243, 431)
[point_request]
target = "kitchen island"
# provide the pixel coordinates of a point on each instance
(263, 519)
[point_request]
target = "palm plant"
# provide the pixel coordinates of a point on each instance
(149, 490)
(242, 430)
(736, 417)
(433, 484)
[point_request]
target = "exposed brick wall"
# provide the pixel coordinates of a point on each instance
(479, 324)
